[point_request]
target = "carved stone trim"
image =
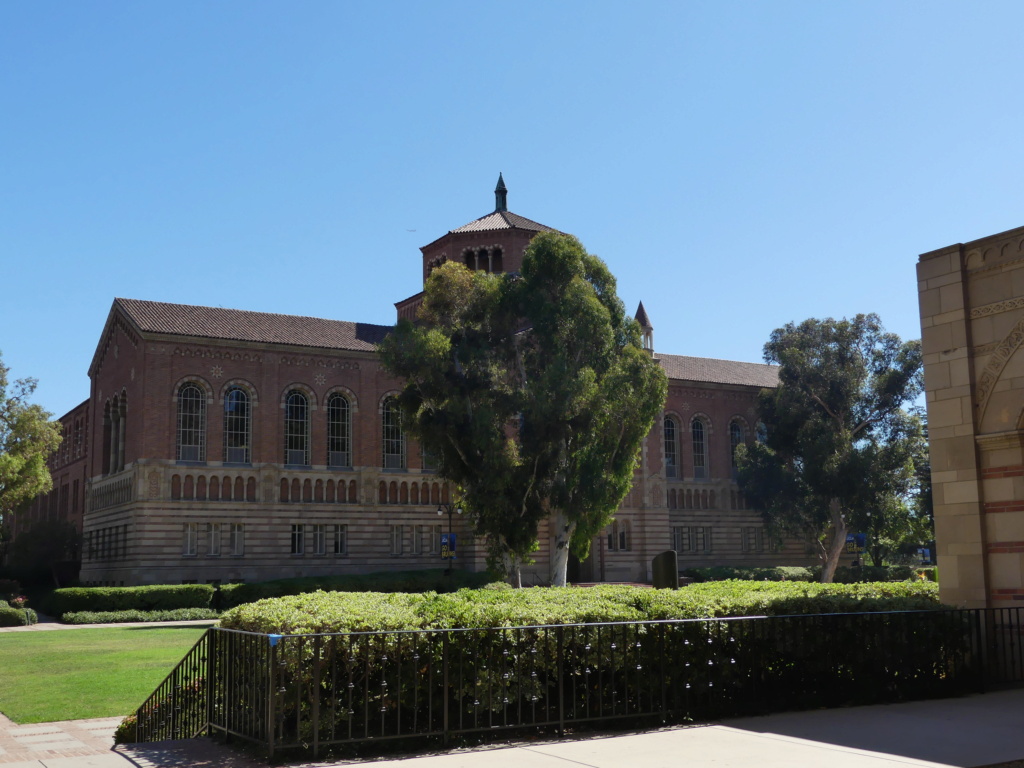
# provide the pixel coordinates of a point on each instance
(997, 307)
(1000, 441)
(1002, 354)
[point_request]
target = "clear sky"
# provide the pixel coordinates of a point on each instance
(739, 165)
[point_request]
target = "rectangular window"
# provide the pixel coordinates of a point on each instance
(702, 539)
(319, 539)
(435, 540)
(624, 537)
(298, 540)
(419, 534)
(680, 538)
(341, 539)
(213, 539)
(190, 535)
(753, 539)
(238, 539)
(396, 540)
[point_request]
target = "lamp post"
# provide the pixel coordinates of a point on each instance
(451, 509)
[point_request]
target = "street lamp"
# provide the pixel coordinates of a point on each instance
(451, 509)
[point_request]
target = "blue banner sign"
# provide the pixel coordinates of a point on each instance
(447, 546)
(856, 543)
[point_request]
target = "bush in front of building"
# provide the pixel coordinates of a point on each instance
(117, 617)
(844, 574)
(360, 612)
(16, 617)
(432, 580)
(148, 598)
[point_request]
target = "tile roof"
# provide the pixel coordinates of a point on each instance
(242, 325)
(706, 369)
(503, 220)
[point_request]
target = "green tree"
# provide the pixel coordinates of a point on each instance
(532, 392)
(839, 442)
(27, 438)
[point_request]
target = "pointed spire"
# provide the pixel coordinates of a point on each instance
(647, 330)
(500, 195)
(641, 317)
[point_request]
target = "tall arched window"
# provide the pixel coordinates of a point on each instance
(339, 432)
(191, 423)
(735, 440)
(671, 448)
(700, 449)
(237, 426)
(761, 432)
(296, 429)
(394, 436)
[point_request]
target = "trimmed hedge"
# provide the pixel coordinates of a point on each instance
(357, 612)
(116, 617)
(432, 580)
(844, 574)
(16, 617)
(151, 598)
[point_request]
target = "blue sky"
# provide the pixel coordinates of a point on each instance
(738, 165)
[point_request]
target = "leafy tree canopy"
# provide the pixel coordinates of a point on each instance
(841, 449)
(532, 393)
(27, 438)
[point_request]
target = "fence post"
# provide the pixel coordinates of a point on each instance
(317, 644)
(208, 686)
(271, 694)
(561, 680)
(447, 693)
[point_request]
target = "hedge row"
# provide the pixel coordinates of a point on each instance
(116, 617)
(16, 617)
(433, 580)
(355, 612)
(843, 575)
(151, 598)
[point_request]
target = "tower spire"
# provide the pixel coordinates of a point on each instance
(646, 329)
(500, 195)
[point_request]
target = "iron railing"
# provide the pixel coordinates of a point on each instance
(357, 689)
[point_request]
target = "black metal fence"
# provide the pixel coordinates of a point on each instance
(314, 691)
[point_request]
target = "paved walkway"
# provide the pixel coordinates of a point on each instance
(986, 730)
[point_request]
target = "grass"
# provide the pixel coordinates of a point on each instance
(83, 673)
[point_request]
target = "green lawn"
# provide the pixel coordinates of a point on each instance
(75, 674)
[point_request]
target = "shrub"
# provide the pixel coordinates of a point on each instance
(150, 598)
(16, 617)
(432, 580)
(116, 617)
(844, 574)
(356, 612)
(9, 588)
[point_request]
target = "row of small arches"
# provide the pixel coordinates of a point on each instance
(214, 488)
(691, 499)
(327, 492)
(412, 493)
(701, 499)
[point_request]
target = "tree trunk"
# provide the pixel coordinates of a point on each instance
(560, 555)
(835, 548)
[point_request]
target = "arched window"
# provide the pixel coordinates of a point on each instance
(761, 432)
(296, 429)
(736, 439)
(671, 448)
(394, 436)
(191, 423)
(700, 449)
(339, 432)
(237, 426)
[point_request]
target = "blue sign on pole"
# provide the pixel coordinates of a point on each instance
(856, 543)
(447, 546)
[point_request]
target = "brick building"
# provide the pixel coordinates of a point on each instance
(232, 445)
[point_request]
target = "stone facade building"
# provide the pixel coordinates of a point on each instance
(972, 331)
(228, 445)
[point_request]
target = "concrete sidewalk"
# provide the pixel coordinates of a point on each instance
(985, 730)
